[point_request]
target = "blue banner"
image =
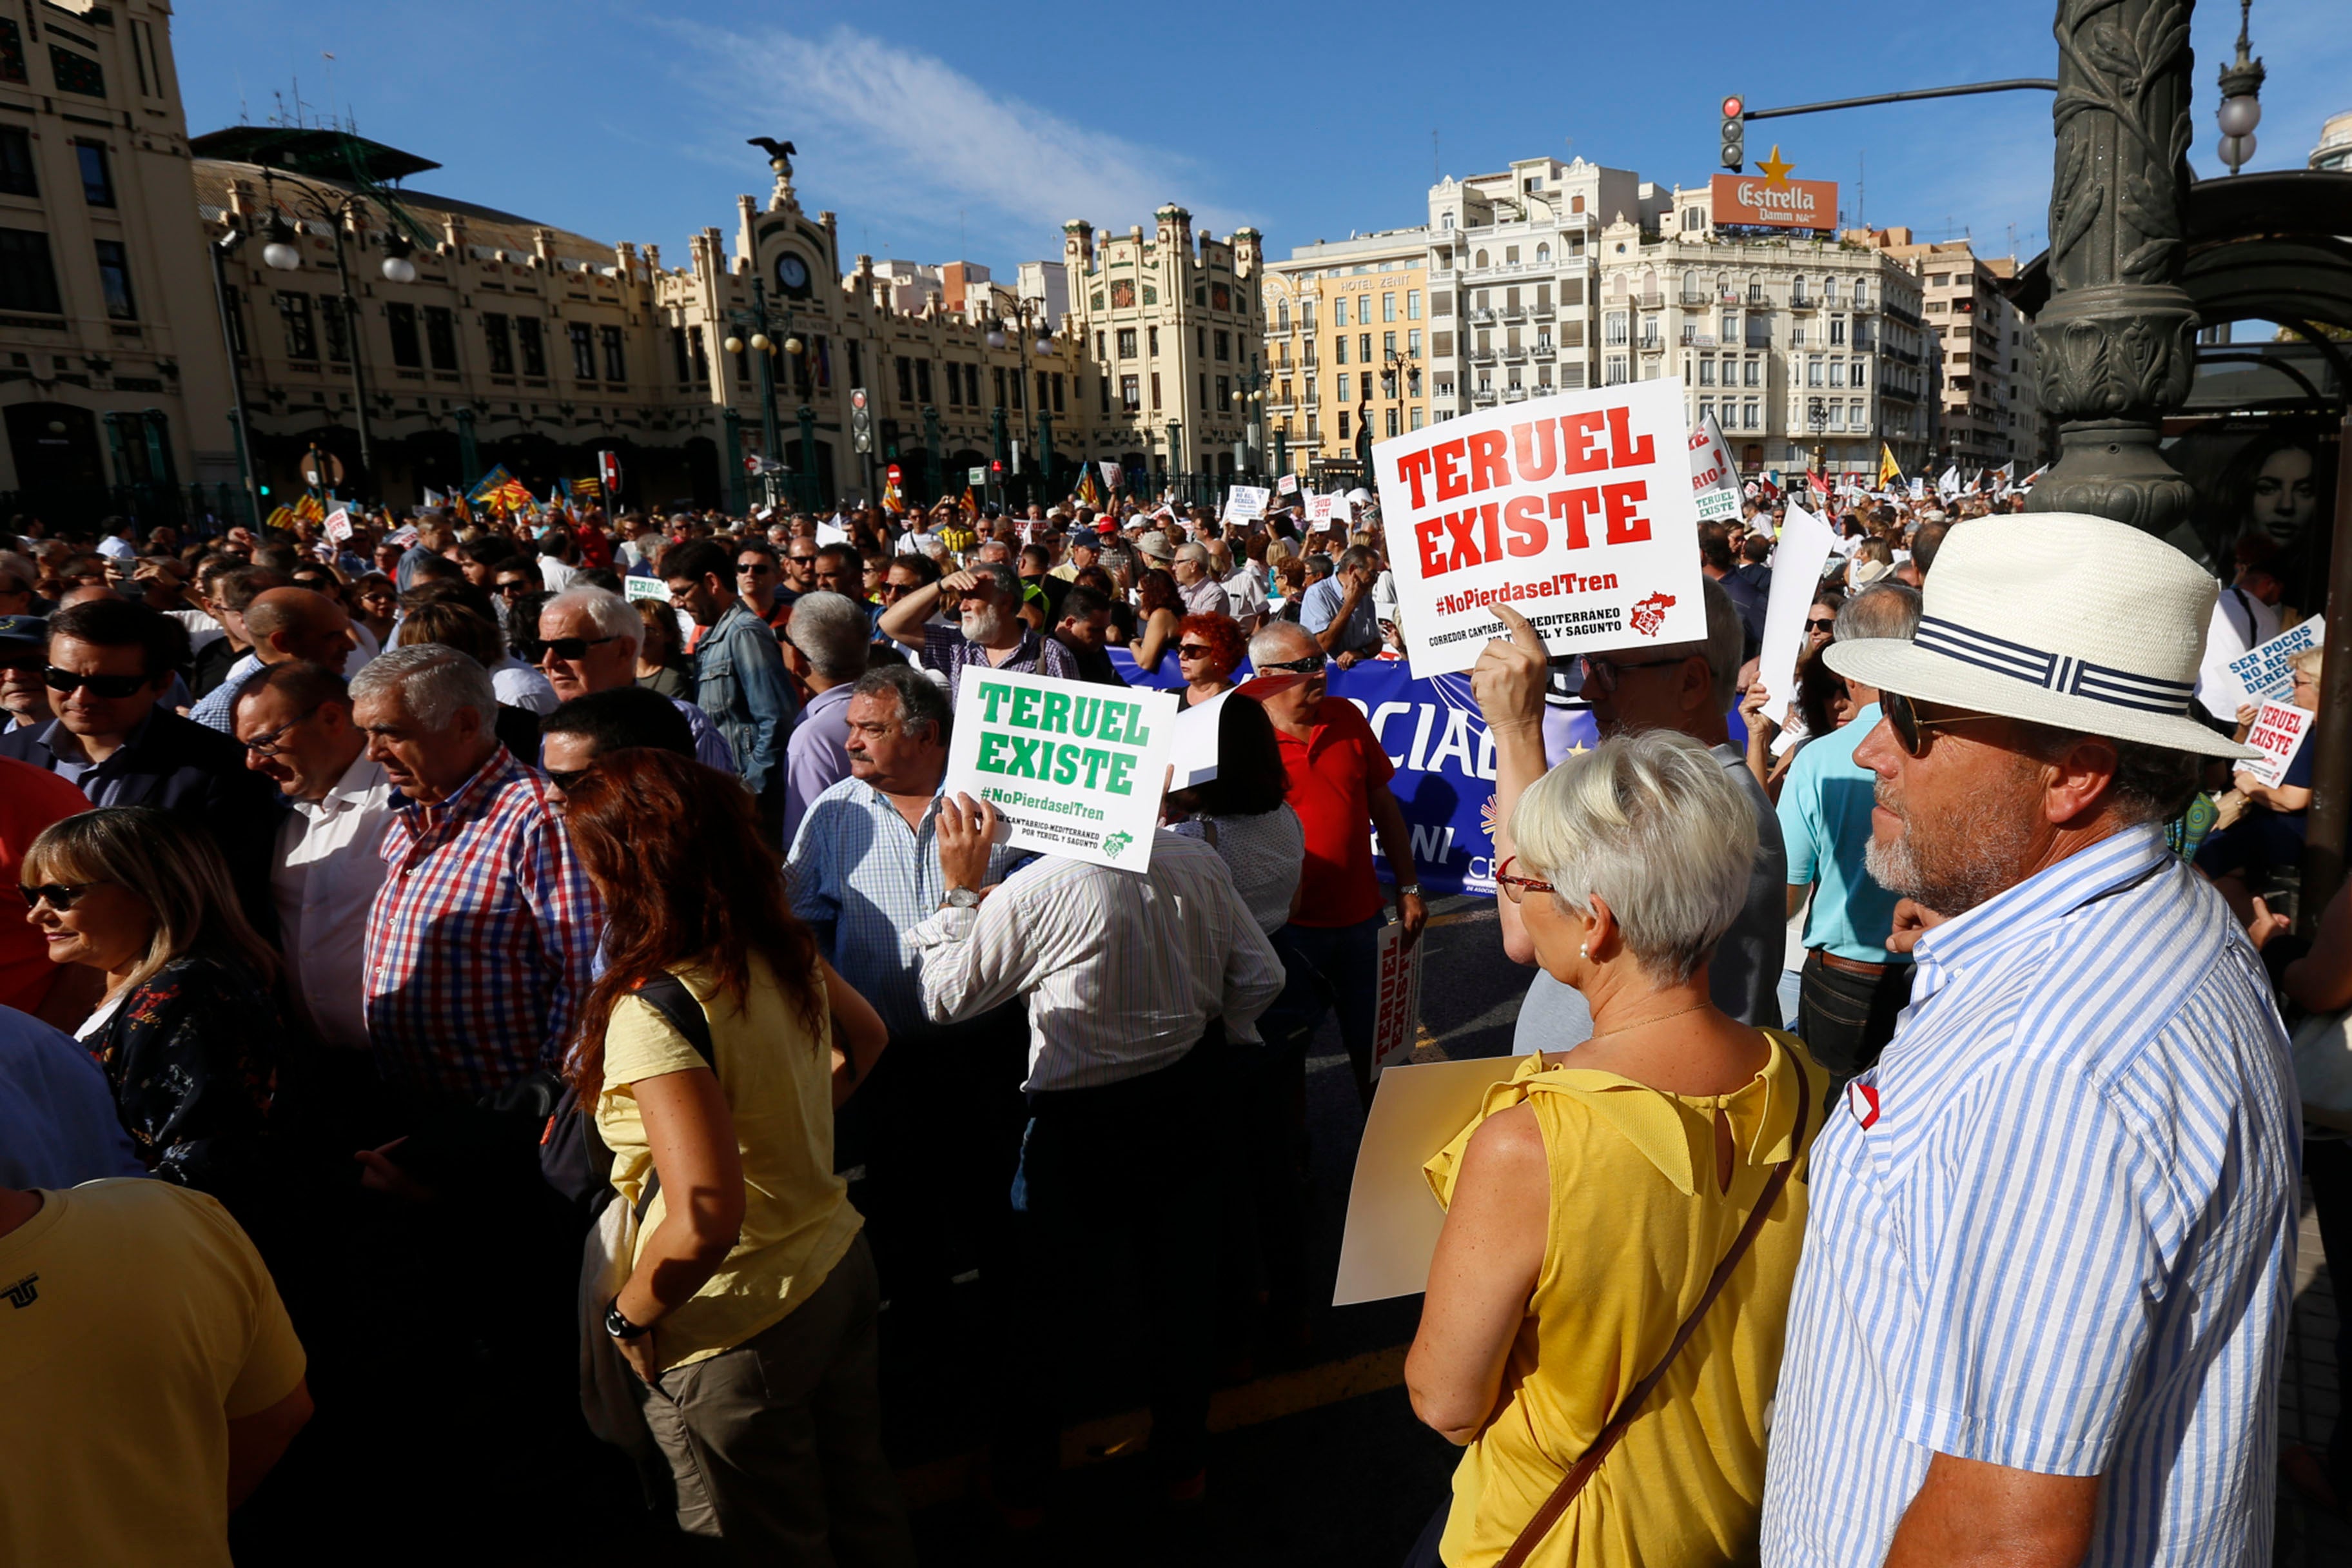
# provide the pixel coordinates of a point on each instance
(1443, 754)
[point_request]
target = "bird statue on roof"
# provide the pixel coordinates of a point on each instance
(779, 159)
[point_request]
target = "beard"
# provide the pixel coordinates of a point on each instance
(985, 625)
(1957, 859)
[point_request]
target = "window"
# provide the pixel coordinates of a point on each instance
(1364, 347)
(17, 177)
(1155, 392)
(1340, 350)
(971, 383)
(1388, 307)
(616, 365)
(408, 352)
(1201, 342)
(1829, 291)
(1102, 394)
(1340, 310)
(1130, 397)
(583, 350)
(1392, 423)
(77, 73)
(1854, 416)
(1837, 416)
(1225, 344)
(1751, 415)
(1576, 204)
(1837, 332)
(1020, 386)
(1412, 304)
(1388, 345)
(441, 337)
(494, 333)
(1412, 343)
(1510, 256)
(12, 52)
(1706, 370)
(1447, 222)
(1615, 326)
(1127, 342)
(1755, 373)
(907, 379)
(97, 179)
(1281, 322)
(1860, 292)
(1151, 343)
(302, 332)
(1813, 371)
(1481, 259)
(1102, 345)
(1058, 380)
(997, 374)
(530, 334)
(1692, 219)
(677, 355)
(1796, 335)
(955, 388)
(1837, 373)
(1731, 332)
(338, 339)
(1204, 391)
(1343, 425)
(1224, 394)
(1307, 315)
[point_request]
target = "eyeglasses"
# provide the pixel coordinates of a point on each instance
(1914, 734)
(1311, 664)
(1607, 672)
(802, 560)
(266, 745)
(70, 680)
(1827, 625)
(752, 568)
(574, 647)
(1194, 651)
(515, 588)
(563, 779)
(61, 896)
(892, 590)
(1515, 888)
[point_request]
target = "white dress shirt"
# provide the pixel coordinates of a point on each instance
(1122, 970)
(324, 880)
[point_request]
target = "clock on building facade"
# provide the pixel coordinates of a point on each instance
(792, 275)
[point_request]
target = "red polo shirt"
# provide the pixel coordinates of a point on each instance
(1331, 776)
(30, 799)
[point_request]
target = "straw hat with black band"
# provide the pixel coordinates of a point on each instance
(2079, 623)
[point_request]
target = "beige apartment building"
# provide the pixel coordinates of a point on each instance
(113, 377)
(1174, 327)
(1348, 349)
(1988, 413)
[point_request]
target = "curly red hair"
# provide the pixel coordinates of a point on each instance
(1220, 633)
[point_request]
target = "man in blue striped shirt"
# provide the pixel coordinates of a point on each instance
(2046, 1287)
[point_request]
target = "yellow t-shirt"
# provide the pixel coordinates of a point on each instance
(136, 1321)
(777, 1080)
(1638, 1226)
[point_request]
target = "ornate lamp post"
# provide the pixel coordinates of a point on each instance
(283, 254)
(766, 329)
(2240, 108)
(1018, 332)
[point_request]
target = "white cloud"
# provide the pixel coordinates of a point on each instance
(887, 123)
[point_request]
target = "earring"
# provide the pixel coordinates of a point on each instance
(1584, 951)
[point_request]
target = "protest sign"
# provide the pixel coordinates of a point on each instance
(2269, 669)
(1193, 749)
(1715, 479)
(1806, 543)
(1072, 769)
(1572, 508)
(1392, 1216)
(636, 588)
(1246, 503)
(1396, 998)
(406, 537)
(1287, 484)
(2280, 730)
(1323, 510)
(829, 534)
(339, 524)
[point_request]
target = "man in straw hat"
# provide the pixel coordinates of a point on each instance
(2047, 1284)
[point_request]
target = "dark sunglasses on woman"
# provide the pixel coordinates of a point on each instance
(61, 896)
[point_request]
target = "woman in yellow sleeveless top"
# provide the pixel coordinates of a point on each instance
(1590, 1202)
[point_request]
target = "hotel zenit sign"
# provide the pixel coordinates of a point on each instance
(1775, 201)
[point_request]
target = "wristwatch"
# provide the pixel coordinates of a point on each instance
(1409, 889)
(619, 1327)
(961, 899)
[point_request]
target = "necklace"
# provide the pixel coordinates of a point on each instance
(1645, 1023)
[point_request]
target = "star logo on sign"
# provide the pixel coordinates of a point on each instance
(1774, 170)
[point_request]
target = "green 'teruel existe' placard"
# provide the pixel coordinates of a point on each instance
(1072, 768)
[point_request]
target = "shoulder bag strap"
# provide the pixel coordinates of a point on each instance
(668, 995)
(1581, 1471)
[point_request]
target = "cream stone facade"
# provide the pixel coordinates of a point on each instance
(1347, 347)
(1988, 413)
(113, 374)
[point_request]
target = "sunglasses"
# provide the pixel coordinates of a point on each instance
(67, 681)
(516, 588)
(574, 647)
(1516, 889)
(1311, 664)
(1914, 734)
(60, 896)
(1194, 651)
(1827, 626)
(753, 569)
(266, 745)
(802, 560)
(565, 778)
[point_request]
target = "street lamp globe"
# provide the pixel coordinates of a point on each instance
(2240, 115)
(2236, 152)
(760, 342)
(1044, 345)
(281, 254)
(996, 337)
(399, 269)
(791, 345)
(734, 346)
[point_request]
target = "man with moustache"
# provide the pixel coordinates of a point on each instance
(2050, 1262)
(991, 631)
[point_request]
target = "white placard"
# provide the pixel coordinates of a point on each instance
(2280, 730)
(1192, 751)
(1287, 484)
(1575, 509)
(2269, 669)
(339, 524)
(1715, 479)
(1247, 502)
(828, 533)
(1327, 509)
(406, 537)
(1392, 1216)
(1073, 769)
(633, 588)
(1806, 543)
(1396, 998)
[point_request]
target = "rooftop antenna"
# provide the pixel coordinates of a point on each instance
(1436, 168)
(1862, 190)
(330, 59)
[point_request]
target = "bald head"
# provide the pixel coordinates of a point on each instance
(298, 623)
(1282, 642)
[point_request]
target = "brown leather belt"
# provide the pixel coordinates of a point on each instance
(1850, 965)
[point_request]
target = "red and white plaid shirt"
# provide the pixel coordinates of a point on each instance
(482, 944)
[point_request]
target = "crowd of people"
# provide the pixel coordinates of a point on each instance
(513, 991)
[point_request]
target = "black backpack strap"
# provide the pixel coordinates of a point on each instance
(668, 994)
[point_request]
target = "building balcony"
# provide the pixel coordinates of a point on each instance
(1696, 301)
(1482, 356)
(1652, 346)
(1653, 301)
(1544, 352)
(1803, 303)
(1483, 396)
(1484, 318)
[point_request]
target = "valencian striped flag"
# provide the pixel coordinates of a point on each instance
(1087, 491)
(308, 509)
(491, 483)
(1890, 472)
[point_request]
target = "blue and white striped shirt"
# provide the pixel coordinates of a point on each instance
(2053, 1230)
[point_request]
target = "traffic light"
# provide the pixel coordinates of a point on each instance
(1735, 133)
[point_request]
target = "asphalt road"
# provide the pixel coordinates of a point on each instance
(1316, 1456)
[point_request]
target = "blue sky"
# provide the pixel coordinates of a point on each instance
(938, 131)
